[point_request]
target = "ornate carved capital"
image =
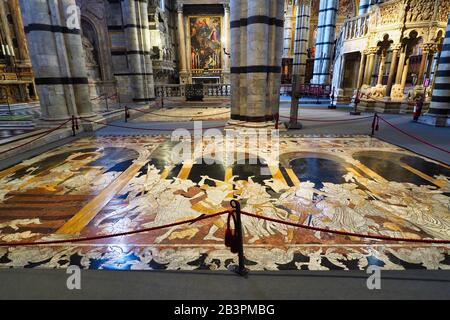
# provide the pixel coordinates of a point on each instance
(397, 47)
(373, 50)
(180, 7)
(226, 7)
(427, 47)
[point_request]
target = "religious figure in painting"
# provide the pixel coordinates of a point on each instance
(205, 42)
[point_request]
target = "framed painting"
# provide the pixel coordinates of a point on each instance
(206, 45)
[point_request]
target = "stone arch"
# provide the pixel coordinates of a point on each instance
(93, 12)
(91, 48)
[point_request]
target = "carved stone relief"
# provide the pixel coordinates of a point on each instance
(444, 10)
(393, 13)
(420, 10)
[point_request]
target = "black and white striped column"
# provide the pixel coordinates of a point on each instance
(236, 57)
(135, 28)
(325, 41)
(439, 111)
(147, 66)
(256, 53)
(288, 31)
(275, 59)
(301, 40)
(57, 57)
(364, 6)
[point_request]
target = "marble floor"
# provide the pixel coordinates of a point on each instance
(173, 114)
(106, 185)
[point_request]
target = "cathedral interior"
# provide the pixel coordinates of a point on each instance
(326, 121)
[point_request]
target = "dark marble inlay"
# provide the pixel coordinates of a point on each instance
(318, 170)
(202, 168)
(47, 163)
(112, 157)
(388, 165)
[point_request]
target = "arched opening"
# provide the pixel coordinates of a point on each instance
(90, 41)
(91, 50)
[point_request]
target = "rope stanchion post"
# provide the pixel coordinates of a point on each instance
(118, 97)
(355, 102)
(74, 126)
(127, 114)
(332, 102)
(106, 102)
(374, 122)
(240, 268)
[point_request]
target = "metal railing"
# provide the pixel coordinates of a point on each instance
(307, 90)
(357, 27)
(179, 90)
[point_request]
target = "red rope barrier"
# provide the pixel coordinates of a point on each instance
(327, 120)
(170, 116)
(413, 136)
(206, 217)
(345, 233)
(43, 134)
(103, 97)
(128, 233)
(145, 129)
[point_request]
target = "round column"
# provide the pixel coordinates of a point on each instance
(144, 32)
(392, 69)
(439, 111)
(77, 66)
(182, 43)
(423, 64)
(381, 69)
(48, 59)
(362, 66)
(370, 64)
(235, 51)
(275, 58)
(257, 59)
(20, 33)
(226, 38)
(325, 41)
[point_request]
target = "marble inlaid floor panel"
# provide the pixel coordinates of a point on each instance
(107, 185)
(186, 113)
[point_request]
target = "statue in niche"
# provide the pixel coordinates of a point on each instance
(89, 42)
(155, 54)
(89, 51)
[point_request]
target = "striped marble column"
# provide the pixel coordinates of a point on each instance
(235, 60)
(275, 59)
(301, 40)
(256, 52)
(288, 32)
(135, 79)
(226, 44)
(326, 34)
(147, 66)
(364, 6)
(439, 112)
(57, 56)
(300, 55)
